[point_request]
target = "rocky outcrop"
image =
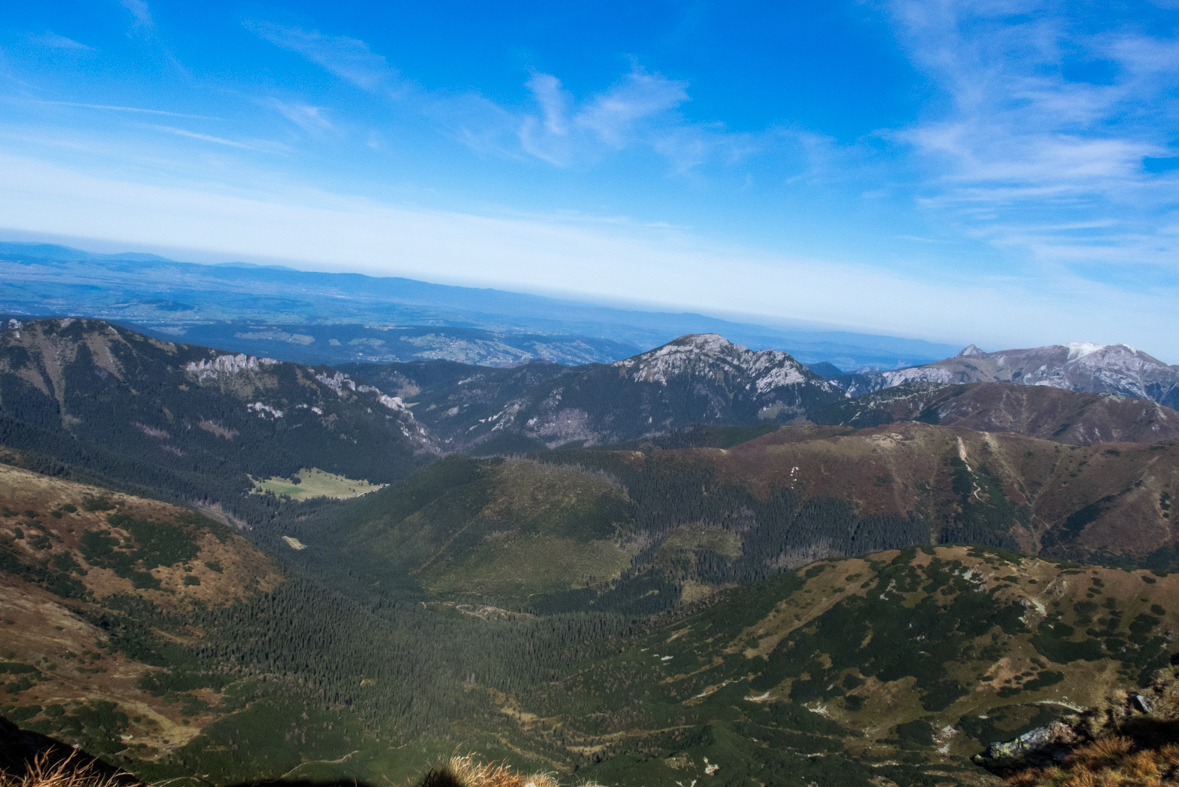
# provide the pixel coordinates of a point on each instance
(227, 364)
(1147, 717)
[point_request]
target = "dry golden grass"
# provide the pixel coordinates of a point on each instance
(76, 770)
(468, 772)
(1107, 762)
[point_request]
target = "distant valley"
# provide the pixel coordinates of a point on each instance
(337, 318)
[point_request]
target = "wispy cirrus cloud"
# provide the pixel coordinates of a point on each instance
(139, 12)
(307, 117)
(51, 40)
(348, 58)
(640, 109)
(258, 145)
(614, 115)
(1046, 119)
(116, 108)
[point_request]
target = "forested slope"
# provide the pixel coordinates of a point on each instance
(637, 530)
(189, 424)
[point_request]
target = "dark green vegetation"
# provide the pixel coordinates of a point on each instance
(920, 657)
(617, 532)
(622, 612)
(104, 405)
(242, 674)
(902, 665)
(636, 530)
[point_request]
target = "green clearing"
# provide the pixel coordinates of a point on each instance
(312, 483)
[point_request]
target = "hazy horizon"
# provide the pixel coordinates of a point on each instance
(1000, 174)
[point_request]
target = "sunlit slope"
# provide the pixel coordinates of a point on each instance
(92, 587)
(900, 666)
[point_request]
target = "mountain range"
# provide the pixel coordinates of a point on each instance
(698, 379)
(700, 562)
(189, 424)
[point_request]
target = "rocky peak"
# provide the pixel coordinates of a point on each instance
(971, 351)
(711, 355)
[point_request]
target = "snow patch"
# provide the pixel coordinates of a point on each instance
(1081, 349)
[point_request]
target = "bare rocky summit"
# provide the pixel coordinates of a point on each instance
(1082, 367)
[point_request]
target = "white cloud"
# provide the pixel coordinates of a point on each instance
(115, 108)
(613, 115)
(640, 109)
(258, 145)
(1023, 143)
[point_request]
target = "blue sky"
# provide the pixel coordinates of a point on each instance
(999, 172)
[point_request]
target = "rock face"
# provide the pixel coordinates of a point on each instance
(1034, 411)
(1144, 716)
(696, 379)
(971, 351)
(1081, 367)
(1041, 746)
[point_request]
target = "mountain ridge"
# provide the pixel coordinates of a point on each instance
(699, 378)
(190, 424)
(1081, 367)
(1036, 411)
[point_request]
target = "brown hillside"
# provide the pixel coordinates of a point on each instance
(73, 556)
(1031, 410)
(1111, 498)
